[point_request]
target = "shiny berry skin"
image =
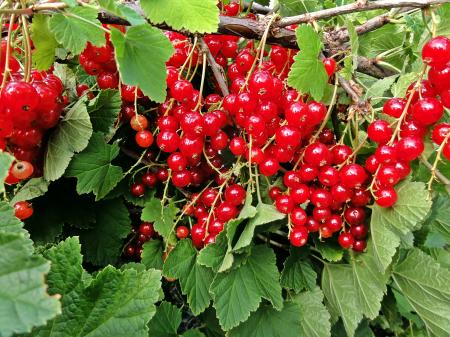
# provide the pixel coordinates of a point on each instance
(215, 227)
(372, 164)
(256, 156)
(427, 111)
(130, 251)
(107, 81)
(244, 61)
(182, 90)
(340, 193)
(403, 169)
(394, 107)
(260, 84)
(436, 52)
(192, 123)
(147, 229)
(440, 77)
(149, 179)
(291, 179)
(181, 178)
(326, 136)
(328, 176)
(298, 216)
(177, 162)
(340, 153)
(296, 114)
(330, 65)
(354, 215)
(308, 172)
(144, 138)
(317, 154)
(237, 146)
(298, 236)
(23, 210)
(361, 197)
(386, 197)
(168, 141)
(284, 204)
(321, 214)
(288, 136)
(316, 112)
(446, 150)
(359, 232)
(359, 246)
(325, 232)
(346, 240)
(334, 223)
(182, 232)
(312, 225)
(130, 94)
(219, 141)
(191, 145)
(138, 190)
(321, 198)
(268, 167)
(352, 175)
(412, 128)
(20, 97)
(379, 131)
(22, 170)
(386, 154)
(409, 148)
(226, 211)
(168, 123)
(162, 174)
(387, 176)
(235, 194)
(139, 122)
(440, 131)
(198, 234)
(274, 192)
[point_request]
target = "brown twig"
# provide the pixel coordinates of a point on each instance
(217, 70)
(444, 180)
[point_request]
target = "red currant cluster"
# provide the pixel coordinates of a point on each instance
(140, 235)
(421, 109)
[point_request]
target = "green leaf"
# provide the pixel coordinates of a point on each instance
(66, 270)
(425, 285)
(195, 279)
(296, 7)
(143, 47)
(353, 290)
(44, 42)
(268, 322)
(354, 43)
(264, 214)
(307, 64)
(200, 16)
(152, 254)
(438, 221)
(193, 333)
(314, 317)
(238, 292)
(330, 251)
(378, 89)
(115, 303)
(166, 321)
(35, 187)
(68, 78)
(389, 224)
(71, 135)
(103, 243)
(104, 110)
(5, 163)
(214, 254)
(75, 27)
(24, 302)
(163, 218)
(93, 168)
(8, 221)
(122, 11)
(298, 273)
(399, 88)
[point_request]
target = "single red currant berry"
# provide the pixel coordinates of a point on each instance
(361, 197)
(409, 148)
(146, 229)
(181, 178)
(215, 227)
(354, 215)
(274, 192)
(144, 138)
(446, 150)
(387, 176)
(149, 179)
(268, 167)
(340, 193)
(237, 146)
(386, 197)
(23, 210)
(386, 154)
(394, 107)
(107, 80)
(341, 153)
(359, 246)
(427, 111)
(359, 232)
(325, 232)
(219, 141)
(284, 204)
(440, 131)
(226, 211)
(182, 90)
(137, 190)
(352, 175)
(182, 232)
(198, 234)
(288, 137)
(346, 240)
(372, 164)
(298, 236)
(298, 216)
(330, 65)
(328, 176)
(316, 112)
(321, 214)
(321, 198)
(334, 223)
(130, 251)
(436, 52)
(326, 136)
(379, 131)
(235, 194)
(308, 172)
(312, 225)
(139, 122)
(22, 170)
(317, 154)
(296, 114)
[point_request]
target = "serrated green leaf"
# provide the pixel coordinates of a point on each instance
(213, 255)
(268, 322)
(399, 88)
(377, 90)
(44, 42)
(298, 273)
(257, 278)
(166, 321)
(8, 221)
(104, 110)
(5, 163)
(152, 253)
(75, 27)
(195, 279)
(353, 290)
(71, 135)
(66, 270)
(93, 168)
(24, 302)
(143, 47)
(425, 285)
(438, 220)
(163, 218)
(314, 317)
(200, 16)
(35, 187)
(103, 243)
(307, 64)
(68, 78)
(264, 214)
(330, 251)
(123, 11)
(387, 225)
(115, 303)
